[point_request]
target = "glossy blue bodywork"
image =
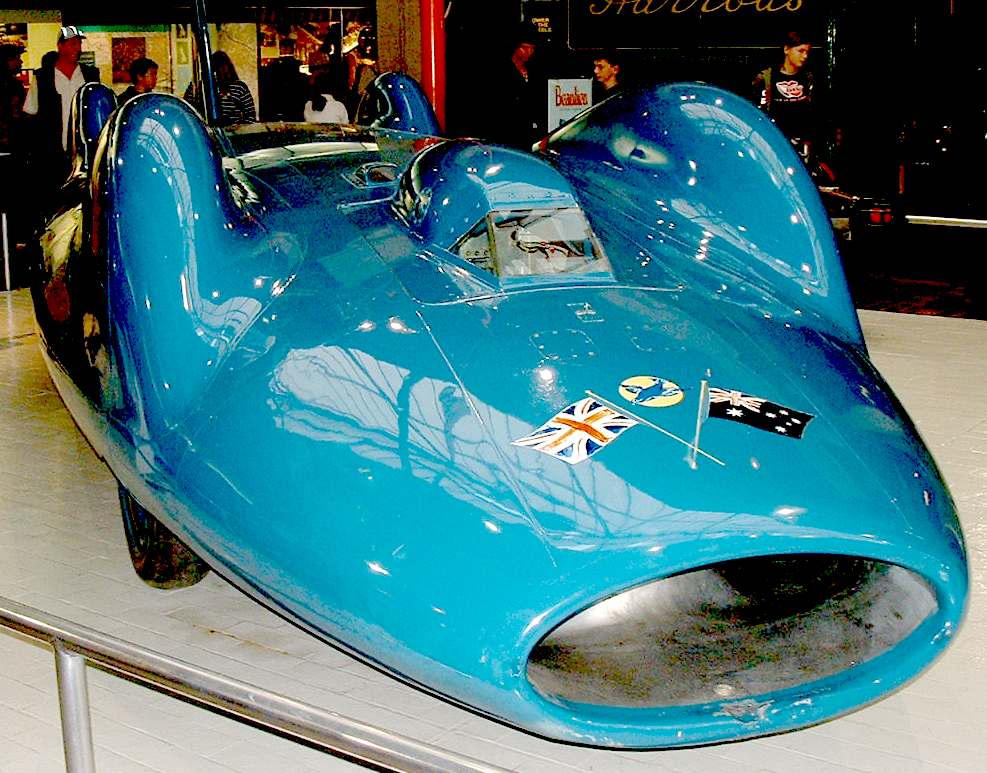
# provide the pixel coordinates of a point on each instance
(290, 366)
(91, 110)
(706, 175)
(396, 101)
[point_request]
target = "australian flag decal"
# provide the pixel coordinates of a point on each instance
(577, 432)
(757, 412)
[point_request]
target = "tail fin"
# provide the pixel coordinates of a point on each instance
(91, 108)
(396, 101)
(707, 174)
(183, 276)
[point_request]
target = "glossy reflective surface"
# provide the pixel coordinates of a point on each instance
(91, 108)
(699, 172)
(435, 467)
(396, 101)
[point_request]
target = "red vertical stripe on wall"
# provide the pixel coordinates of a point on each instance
(434, 55)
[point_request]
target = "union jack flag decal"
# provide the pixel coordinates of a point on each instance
(735, 398)
(577, 432)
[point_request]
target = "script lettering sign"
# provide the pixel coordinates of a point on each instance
(679, 23)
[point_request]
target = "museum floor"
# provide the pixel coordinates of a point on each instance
(62, 550)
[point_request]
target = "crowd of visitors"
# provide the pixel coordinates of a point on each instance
(331, 91)
(34, 128)
(33, 122)
(520, 81)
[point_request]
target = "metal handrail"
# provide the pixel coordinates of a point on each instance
(76, 645)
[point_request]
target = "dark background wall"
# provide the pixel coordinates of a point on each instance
(902, 82)
(888, 71)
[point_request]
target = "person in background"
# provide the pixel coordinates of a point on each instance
(48, 60)
(521, 113)
(236, 103)
(361, 63)
(143, 78)
(322, 106)
(607, 75)
(11, 95)
(283, 89)
(51, 92)
(12, 168)
(47, 108)
(785, 92)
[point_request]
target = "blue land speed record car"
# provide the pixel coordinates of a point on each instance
(585, 440)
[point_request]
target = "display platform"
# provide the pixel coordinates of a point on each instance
(62, 550)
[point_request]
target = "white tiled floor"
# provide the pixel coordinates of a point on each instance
(62, 551)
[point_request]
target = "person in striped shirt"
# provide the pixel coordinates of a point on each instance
(236, 103)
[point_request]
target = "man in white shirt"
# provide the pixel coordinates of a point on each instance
(49, 99)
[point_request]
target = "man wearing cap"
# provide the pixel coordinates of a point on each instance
(49, 99)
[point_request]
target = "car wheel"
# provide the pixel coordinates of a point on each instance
(159, 557)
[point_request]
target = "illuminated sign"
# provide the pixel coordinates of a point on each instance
(679, 23)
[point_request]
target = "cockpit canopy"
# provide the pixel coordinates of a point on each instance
(502, 210)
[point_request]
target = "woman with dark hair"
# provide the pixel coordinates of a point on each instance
(236, 103)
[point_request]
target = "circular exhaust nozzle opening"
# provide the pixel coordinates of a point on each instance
(731, 631)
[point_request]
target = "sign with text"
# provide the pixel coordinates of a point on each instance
(567, 97)
(679, 23)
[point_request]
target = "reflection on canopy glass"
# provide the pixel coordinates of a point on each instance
(534, 242)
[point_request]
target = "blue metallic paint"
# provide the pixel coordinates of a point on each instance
(702, 172)
(321, 400)
(92, 110)
(396, 101)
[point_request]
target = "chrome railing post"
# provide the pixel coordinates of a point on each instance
(6, 252)
(73, 703)
(77, 647)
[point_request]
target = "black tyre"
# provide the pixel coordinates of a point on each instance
(159, 557)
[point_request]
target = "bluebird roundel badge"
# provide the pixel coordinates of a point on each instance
(651, 391)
